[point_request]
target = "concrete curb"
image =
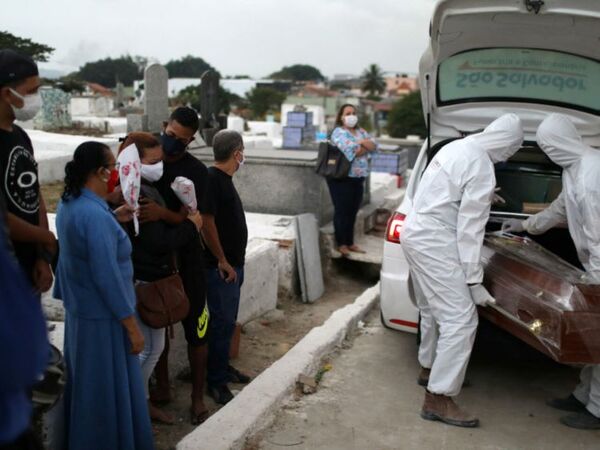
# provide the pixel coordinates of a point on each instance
(255, 406)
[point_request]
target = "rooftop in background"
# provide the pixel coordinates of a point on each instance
(400, 84)
(239, 87)
(98, 89)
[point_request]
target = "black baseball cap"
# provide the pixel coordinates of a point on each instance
(15, 66)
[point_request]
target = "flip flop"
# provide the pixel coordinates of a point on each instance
(199, 419)
(356, 249)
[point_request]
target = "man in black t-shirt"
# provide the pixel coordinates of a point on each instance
(34, 245)
(177, 135)
(226, 236)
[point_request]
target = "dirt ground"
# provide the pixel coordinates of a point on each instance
(264, 342)
(51, 193)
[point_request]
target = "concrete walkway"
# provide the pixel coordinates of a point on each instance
(370, 400)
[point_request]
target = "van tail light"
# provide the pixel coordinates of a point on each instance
(394, 227)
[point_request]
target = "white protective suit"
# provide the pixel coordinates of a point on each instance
(579, 206)
(442, 240)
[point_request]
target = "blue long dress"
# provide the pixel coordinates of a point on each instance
(105, 405)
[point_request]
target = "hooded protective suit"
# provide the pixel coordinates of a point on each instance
(442, 240)
(578, 205)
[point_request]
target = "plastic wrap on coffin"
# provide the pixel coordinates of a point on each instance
(542, 299)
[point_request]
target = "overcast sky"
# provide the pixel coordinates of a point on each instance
(254, 37)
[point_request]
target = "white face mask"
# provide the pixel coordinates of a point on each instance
(152, 172)
(31, 105)
(241, 163)
(350, 121)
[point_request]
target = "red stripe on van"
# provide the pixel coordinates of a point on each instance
(404, 323)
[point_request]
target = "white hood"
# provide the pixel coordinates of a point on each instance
(567, 26)
(559, 139)
(501, 139)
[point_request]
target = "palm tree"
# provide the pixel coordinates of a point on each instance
(373, 82)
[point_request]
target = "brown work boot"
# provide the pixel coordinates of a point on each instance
(423, 379)
(443, 408)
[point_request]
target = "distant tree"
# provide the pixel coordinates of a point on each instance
(298, 72)
(227, 100)
(141, 62)
(373, 82)
(39, 52)
(188, 67)
(262, 100)
(70, 83)
(365, 121)
(340, 86)
(406, 117)
(108, 71)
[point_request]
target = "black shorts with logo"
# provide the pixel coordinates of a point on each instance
(193, 274)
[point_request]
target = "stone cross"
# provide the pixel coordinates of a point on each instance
(209, 104)
(156, 96)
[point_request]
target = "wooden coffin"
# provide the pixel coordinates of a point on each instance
(542, 299)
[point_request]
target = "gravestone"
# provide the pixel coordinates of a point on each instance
(156, 96)
(55, 111)
(120, 97)
(137, 122)
(209, 104)
(309, 258)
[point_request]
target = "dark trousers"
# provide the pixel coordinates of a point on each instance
(346, 195)
(223, 304)
(27, 441)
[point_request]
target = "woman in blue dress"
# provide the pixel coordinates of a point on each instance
(105, 405)
(347, 193)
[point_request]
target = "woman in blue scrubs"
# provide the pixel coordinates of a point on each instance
(105, 405)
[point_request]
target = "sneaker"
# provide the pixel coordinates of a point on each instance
(582, 421)
(443, 408)
(235, 376)
(220, 394)
(570, 404)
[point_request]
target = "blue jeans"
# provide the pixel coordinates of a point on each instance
(223, 304)
(154, 344)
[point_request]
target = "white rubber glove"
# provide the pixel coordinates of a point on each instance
(497, 199)
(481, 296)
(593, 277)
(513, 226)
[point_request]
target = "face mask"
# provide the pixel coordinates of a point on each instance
(152, 172)
(31, 105)
(241, 163)
(350, 121)
(113, 177)
(172, 146)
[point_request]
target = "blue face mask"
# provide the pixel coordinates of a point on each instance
(172, 146)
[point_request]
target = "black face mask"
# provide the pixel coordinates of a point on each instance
(171, 145)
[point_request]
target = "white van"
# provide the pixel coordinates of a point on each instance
(487, 58)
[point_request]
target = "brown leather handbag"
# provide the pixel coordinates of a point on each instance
(162, 303)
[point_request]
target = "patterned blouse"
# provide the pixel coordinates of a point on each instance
(348, 144)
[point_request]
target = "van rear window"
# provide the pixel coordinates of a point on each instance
(523, 75)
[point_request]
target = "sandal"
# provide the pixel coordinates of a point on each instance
(356, 249)
(199, 419)
(344, 250)
(157, 415)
